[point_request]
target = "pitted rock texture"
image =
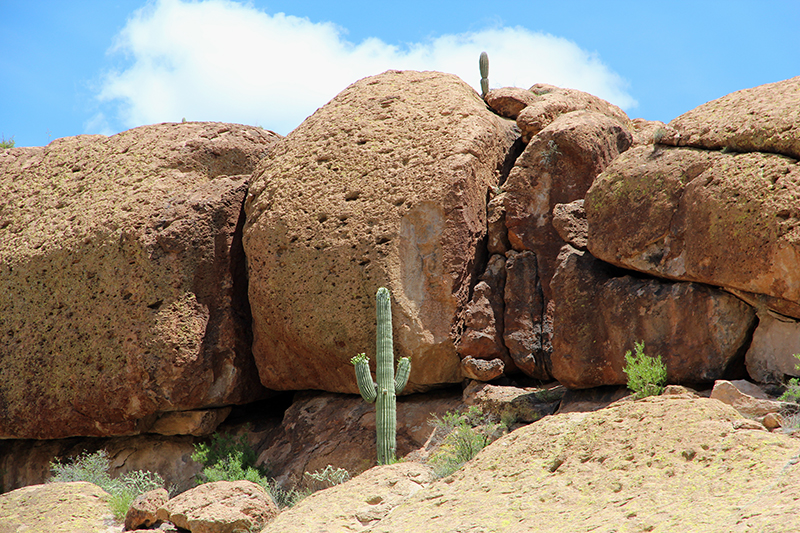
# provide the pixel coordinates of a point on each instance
(122, 281)
(771, 355)
(57, 508)
(600, 312)
(761, 119)
(725, 219)
(386, 185)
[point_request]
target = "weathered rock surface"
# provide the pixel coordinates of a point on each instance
(483, 336)
(513, 403)
(482, 369)
(760, 119)
(663, 463)
(554, 101)
(358, 504)
(569, 221)
(321, 429)
(509, 101)
(142, 512)
(558, 166)
(731, 220)
(771, 355)
(56, 508)
(123, 284)
(386, 185)
(600, 313)
(220, 507)
(745, 397)
(197, 422)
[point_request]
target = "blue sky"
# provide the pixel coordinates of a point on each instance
(69, 68)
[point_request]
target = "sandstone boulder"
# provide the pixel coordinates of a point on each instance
(386, 185)
(514, 404)
(551, 102)
(142, 512)
(123, 284)
(745, 397)
(699, 332)
(509, 101)
(56, 508)
(569, 221)
(220, 507)
(558, 166)
(482, 369)
(731, 220)
(772, 352)
(760, 119)
(481, 338)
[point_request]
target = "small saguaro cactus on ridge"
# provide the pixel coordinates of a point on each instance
(483, 64)
(384, 393)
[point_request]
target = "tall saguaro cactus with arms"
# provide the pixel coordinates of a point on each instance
(384, 392)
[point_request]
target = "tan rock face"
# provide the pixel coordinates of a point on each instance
(143, 509)
(386, 185)
(122, 284)
(771, 355)
(731, 220)
(56, 507)
(745, 397)
(761, 119)
(599, 314)
(220, 507)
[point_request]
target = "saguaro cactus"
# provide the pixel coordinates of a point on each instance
(483, 64)
(384, 393)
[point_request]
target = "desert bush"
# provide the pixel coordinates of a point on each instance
(326, 478)
(6, 143)
(462, 436)
(792, 392)
(647, 376)
(94, 468)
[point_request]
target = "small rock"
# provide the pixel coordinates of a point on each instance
(745, 397)
(569, 221)
(680, 391)
(772, 421)
(523, 405)
(509, 101)
(746, 423)
(481, 369)
(142, 512)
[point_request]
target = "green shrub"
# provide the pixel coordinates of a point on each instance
(326, 478)
(792, 392)
(464, 435)
(647, 376)
(227, 458)
(94, 468)
(6, 143)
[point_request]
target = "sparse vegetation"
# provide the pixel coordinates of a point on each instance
(6, 143)
(462, 436)
(326, 478)
(792, 392)
(94, 468)
(647, 376)
(227, 458)
(550, 154)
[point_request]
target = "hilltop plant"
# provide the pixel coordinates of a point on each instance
(384, 392)
(792, 392)
(461, 437)
(647, 376)
(483, 65)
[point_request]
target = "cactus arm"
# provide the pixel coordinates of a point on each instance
(365, 384)
(403, 371)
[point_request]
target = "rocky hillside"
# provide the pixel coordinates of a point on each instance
(175, 280)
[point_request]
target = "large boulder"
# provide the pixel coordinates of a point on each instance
(725, 219)
(700, 332)
(386, 185)
(220, 507)
(56, 508)
(760, 119)
(122, 284)
(774, 352)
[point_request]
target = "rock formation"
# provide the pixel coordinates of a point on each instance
(122, 285)
(386, 185)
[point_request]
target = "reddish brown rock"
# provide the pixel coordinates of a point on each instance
(648, 131)
(123, 284)
(553, 101)
(497, 238)
(731, 220)
(514, 404)
(525, 336)
(698, 331)
(386, 185)
(558, 166)
(760, 119)
(509, 101)
(482, 369)
(220, 507)
(142, 512)
(745, 397)
(481, 338)
(569, 221)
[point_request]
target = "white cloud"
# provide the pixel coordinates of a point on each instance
(225, 61)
